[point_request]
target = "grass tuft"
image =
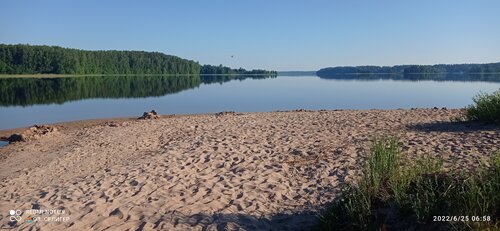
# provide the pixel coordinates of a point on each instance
(394, 194)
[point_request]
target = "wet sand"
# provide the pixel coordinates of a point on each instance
(250, 171)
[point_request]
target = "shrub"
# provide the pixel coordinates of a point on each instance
(486, 108)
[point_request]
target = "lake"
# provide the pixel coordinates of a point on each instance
(28, 101)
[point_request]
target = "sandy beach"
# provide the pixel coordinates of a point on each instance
(231, 171)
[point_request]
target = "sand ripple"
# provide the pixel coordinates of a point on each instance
(255, 171)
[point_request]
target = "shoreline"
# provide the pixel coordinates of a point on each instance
(78, 124)
(73, 124)
(231, 170)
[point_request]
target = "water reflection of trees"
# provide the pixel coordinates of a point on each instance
(208, 79)
(417, 77)
(31, 91)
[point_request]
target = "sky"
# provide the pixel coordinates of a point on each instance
(267, 34)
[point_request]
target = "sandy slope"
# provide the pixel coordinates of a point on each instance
(250, 171)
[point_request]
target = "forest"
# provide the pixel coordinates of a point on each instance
(413, 69)
(32, 59)
(222, 70)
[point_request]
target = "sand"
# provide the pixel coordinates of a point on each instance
(250, 171)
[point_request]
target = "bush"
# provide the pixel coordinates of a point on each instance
(486, 108)
(394, 194)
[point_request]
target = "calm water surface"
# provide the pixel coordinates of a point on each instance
(26, 102)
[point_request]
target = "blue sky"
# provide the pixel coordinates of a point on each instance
(278, 35)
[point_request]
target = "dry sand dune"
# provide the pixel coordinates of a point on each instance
(256, 171)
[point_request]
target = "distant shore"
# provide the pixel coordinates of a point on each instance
(225, 170)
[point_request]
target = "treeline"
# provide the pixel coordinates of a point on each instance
(209, 79)
(413, 69)
(32, 91)
(222, 70)
(28, 59)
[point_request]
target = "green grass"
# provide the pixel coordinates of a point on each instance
(486, 108)
(397, 194)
